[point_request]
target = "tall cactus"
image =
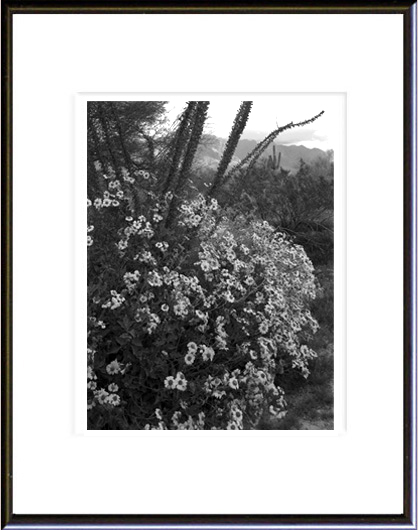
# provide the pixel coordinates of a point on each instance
(199, 120)
(180, 144)
(196, 134)
(238, 127)
(274, 161)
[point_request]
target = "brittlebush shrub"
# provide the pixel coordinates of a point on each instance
(188, 326)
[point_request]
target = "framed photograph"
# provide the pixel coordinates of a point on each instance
(211, 210)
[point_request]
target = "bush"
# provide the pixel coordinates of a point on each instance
(300, 204)
(188, 326)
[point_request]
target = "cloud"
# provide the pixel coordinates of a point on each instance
(292, 136)
(273, 110)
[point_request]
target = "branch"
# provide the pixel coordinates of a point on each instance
(258, 150)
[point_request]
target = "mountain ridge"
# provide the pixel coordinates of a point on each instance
(210, 152)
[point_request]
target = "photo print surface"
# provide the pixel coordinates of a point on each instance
(210, 264)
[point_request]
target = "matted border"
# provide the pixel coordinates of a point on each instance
(340, 255)
(408, 518)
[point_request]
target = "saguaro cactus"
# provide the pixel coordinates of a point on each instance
(274, 161)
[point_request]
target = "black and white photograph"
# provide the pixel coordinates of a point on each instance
(210, 265)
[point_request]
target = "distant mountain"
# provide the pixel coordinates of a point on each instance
(291, 154)
(210, 152)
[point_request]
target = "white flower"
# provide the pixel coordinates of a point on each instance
(116, 300)
(170, 382)
(113, 400)
(154, 279)
(216, 382)
(261, 376)
(192, 347)
(207, 353)
(101, 396)
(165, 308)
(92, 385)
(113, 387)
(113, 368)
(181, 382)
(263, 327)
(277, 413)
(189, 358)
(229, 297)
(205, 266)
(182, 385)
(233, 383)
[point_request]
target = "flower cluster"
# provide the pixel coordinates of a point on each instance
(198, 320)
(102, 396)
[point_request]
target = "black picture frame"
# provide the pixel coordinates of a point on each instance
(405, 520)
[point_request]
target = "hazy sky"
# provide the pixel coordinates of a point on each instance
(271, 111)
